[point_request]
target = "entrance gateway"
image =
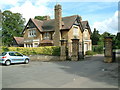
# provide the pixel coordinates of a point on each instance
(73, 51)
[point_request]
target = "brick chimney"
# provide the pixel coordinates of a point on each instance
(58, 25)
(46, 17)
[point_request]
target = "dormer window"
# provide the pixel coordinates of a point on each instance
(32, 33)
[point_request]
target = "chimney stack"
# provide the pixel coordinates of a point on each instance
(58, 24)
(47, 17)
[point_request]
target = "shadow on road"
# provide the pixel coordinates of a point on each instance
(93, 68)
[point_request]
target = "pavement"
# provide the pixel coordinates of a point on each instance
(89, 73)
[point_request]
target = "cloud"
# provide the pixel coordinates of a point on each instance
(7, 2)
(29, 8)
(110, 25)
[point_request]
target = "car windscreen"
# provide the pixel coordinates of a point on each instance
(3, 54)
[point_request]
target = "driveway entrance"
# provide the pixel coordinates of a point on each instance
(89, 73)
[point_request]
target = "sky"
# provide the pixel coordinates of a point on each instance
(101, 15)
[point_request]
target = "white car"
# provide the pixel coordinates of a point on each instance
(13, 57)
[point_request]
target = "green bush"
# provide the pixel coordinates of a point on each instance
(4, 49)
(90, 53)
(98, 49)
(47, 50)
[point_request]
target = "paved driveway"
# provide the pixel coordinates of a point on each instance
(90, 73)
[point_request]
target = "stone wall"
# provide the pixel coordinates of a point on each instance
(44, 58)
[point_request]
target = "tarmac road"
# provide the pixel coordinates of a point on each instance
(89, 73)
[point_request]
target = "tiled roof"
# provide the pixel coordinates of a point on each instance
(67, 22)
(46, 41)
(48, 25)
(38, 23)
(19, 40)
(84, 23)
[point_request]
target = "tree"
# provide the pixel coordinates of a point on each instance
(117, 41)
(102, 36)
(106, 34)
(39, 17)
(0, 26)
(12, 25)
(95, 37)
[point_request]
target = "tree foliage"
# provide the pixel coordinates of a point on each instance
(117, 41)
(95, 37)
(98, 39)
(102, 37)
(12, 25)
(39, 17)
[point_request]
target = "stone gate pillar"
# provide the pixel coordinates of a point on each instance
(108, 50)
(63, 49)
(75, 49)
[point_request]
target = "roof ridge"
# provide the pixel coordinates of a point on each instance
(54, 19)
(62, 17)
(36, 19)
(70, 16)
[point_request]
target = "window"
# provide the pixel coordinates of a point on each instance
(86, 34)
(46, 35)
(12, 54)
(3, 54)
(75, 31)
(18, 54)
(32, 33)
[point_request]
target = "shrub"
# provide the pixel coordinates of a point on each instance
(4, 49)
(90, 53)
(98, 49)
(47, 50)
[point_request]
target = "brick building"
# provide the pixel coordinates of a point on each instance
(49, 32)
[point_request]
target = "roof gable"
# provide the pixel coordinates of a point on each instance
(85, 25)
(34, 23)
(48, 25)
(37, 23)
(19, 40)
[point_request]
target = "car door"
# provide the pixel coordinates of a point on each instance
(19, 57)
(12, 57)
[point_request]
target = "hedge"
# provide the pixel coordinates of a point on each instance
(47, 50)
(90, 53)
(98, 49)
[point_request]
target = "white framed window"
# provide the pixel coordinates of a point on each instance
(32, 33)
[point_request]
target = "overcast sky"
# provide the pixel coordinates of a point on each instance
(101, 15)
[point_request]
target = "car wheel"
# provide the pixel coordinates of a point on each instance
(26, 61)
(8, 62)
